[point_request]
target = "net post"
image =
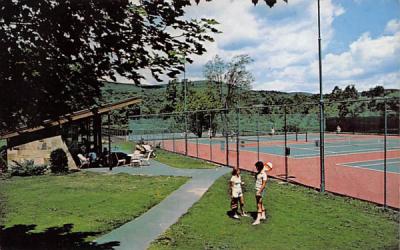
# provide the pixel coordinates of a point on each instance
(306, 136)
(384, 159)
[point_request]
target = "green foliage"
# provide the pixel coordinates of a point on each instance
(54, 52)
(58, 161)
(27, 168)
(3, 155)
(92, 203)
(297, 218)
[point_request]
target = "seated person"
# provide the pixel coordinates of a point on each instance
(140, 148)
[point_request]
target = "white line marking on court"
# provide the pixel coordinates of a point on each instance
(395, 159)
(376, 170)
(312, 156)
(377, 164)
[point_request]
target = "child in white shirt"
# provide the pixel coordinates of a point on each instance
(236, 193)
(261, 181)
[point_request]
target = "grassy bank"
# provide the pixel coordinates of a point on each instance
(91, 204)
(179, 161)
(298, 218)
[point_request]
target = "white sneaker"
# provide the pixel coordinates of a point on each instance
(262, 216)
(236, 216)
(256, 222)
(245, 215)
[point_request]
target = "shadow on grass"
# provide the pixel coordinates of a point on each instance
(20, 237)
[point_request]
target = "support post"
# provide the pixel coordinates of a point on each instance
(210, 138)
(321, 106)
(384, 159)
(237, 137)
(109, 141)
(286, 156)
(226, 139)
(258, 135)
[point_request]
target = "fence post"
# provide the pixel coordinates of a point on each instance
(197, 137)
(258, 135)
(162, 139)
(173, 141)
(210, 138)
(226, 139)
(286, 156)
(186, 132)
(384, 158)
(321, 103)
(237, 137)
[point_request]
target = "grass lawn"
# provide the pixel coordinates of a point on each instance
(125, 146)
(179, 161)
(93, 203)
(171, 159)
(298, 218)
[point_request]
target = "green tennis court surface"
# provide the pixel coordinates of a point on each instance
(337, 148)
(392, 165)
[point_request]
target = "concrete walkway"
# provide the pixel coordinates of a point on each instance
(139, 233)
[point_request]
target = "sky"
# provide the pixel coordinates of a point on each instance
(360, 42)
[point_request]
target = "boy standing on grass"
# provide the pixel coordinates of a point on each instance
(236, 193)
(261, 182)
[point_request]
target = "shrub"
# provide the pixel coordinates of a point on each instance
(58, 161)
(3, 162)
(27, 168)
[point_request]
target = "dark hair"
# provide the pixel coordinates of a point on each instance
(259, 165)
(234, 171)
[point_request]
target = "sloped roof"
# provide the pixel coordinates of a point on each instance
(81, 114)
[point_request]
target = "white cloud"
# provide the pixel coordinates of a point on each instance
(283, 42)
(367, 62)
(393, 26)
(282, 45)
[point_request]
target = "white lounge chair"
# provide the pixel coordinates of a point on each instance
(146, 161)
(136, 158)
(83, 161)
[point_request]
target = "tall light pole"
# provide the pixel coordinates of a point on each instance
(321, 107)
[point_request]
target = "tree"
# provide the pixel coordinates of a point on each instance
(336, 94)
(233, 76)
(214, 73)
(54, 53)
(201, 121)
(171, 96)
(350, 92)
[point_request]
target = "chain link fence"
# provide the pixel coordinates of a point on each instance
(361, 143)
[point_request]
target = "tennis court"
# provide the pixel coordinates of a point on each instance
(392, 165)
(300, 147)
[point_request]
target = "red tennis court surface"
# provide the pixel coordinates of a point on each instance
(341, 177)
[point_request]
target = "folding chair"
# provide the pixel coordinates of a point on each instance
(120, 162)
(83, 161)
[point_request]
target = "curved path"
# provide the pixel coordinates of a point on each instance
(139, 233)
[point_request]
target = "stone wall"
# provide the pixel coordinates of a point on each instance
(39, 151)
